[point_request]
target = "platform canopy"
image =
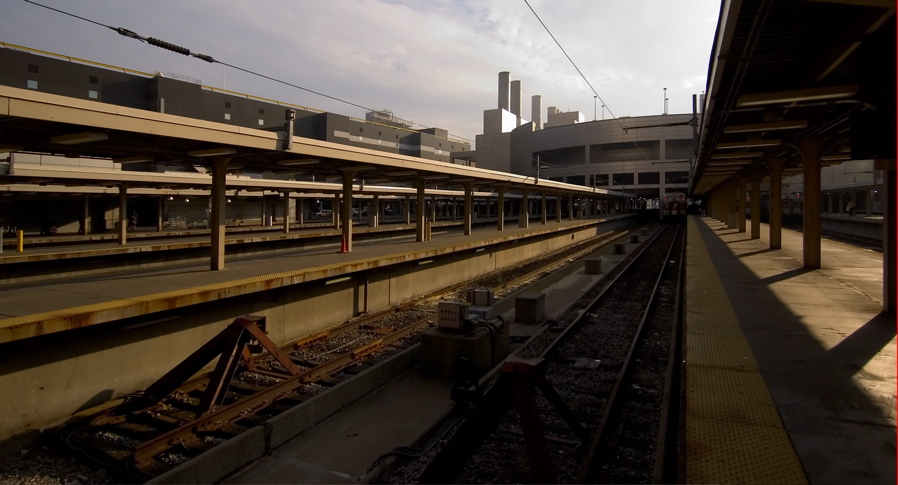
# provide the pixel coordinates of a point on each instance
(37, 122)
(783, 71)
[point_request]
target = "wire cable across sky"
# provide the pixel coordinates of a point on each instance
(207, 58)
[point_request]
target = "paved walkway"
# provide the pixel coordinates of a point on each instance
(58, 303)
(824, 348)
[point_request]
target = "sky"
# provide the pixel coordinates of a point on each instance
(434, 62)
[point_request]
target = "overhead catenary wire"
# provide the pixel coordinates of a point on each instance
(207, 58)
(187, 52)
(591, 88)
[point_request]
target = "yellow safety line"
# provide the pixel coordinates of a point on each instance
(734, 433)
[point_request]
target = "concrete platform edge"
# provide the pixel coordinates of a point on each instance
(26, 326)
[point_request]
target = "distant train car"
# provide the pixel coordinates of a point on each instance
(674, 205)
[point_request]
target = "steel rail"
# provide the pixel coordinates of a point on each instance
(665, 452)
(611, 407)
(561, 337)
(581, 316)
(226, 415)
(551, 267)
(317, 373)
(185, 431)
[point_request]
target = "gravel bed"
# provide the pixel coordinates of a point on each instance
(583, 369)
(49, 465)
(498, 280)
(52, 465)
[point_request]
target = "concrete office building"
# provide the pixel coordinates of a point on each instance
(646, 155)
(185, 96)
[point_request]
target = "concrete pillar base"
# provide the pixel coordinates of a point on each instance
(530, 308)
(593, 266)
(441, 349)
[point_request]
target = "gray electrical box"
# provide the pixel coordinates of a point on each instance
(451, 314)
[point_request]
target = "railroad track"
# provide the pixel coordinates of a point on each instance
(606, 360)
(145, 435)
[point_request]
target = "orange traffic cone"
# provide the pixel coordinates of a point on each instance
(343, 248)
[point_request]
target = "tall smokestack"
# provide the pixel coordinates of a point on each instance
(516, 98)
(503, 90)
(536, 108)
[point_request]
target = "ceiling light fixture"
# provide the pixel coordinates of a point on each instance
(137, 159)
(748, 144)
(726, 156)
(299, 161)
(797, 95)
(76, 138)
(211, 152)
(773, 125)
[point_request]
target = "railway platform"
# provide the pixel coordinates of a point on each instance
(790, 372)
(147, 320)
(60, 305)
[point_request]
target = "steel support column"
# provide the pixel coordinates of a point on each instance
(123, 214)
(740, 199)
(889, 227)
(335, 214)
(85, 215)
(500, 221)
(469, 208)
(810, 152)
(286, 196)
(374, 212)
(346, 211)
(158, 213)
(407, 210)
(419, 211)
(776, 203)
(524, 217)
(755, 197)
(216, 225)
(733, 205)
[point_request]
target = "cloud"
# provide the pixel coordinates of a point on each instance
(434, 62)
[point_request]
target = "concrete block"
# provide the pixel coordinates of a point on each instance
(619, 248)
(530, 308)
(594, 266)
(440, 349)
(634, 238)
(481, 297)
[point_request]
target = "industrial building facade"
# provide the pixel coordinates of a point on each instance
(646, 156)
(183, 96)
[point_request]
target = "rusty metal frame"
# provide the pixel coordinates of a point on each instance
(215, 419)
(230, 346)
(518, 380)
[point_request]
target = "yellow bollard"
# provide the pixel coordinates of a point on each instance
(20, 243)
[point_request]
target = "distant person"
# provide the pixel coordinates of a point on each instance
(850, 209)
(133, 225)
(81, 223)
